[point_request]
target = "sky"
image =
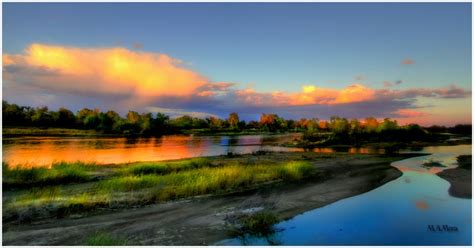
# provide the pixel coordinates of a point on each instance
(407, 61)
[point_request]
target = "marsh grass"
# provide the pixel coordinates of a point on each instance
(59, 173)
(260, 224)
(18, 131)
(138, 186)
(161, 168)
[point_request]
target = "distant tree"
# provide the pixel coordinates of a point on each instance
(371, 124)
(214, 122)
(183, 122)
(233, 120)
(66, 118)
(160, 123)
(42, 117)
(12, 114)
(339, 125)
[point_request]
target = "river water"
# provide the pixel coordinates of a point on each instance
(397, 213)
(42, 151)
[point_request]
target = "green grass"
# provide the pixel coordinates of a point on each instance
(140, 184)
(22, 131)
(104, 239)
(59, 173)
(161, 168)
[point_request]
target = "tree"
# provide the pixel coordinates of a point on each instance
(370, 124)
(233, 120)
(214, 122)
(66, 118)
(12, 114)
(159, 125)
(339, 125)
(42, 117)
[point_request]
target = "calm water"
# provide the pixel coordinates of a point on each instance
(39, 151)
(42, 151)
(397, 213)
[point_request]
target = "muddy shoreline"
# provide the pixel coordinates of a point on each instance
(201, 220)
(460, 178)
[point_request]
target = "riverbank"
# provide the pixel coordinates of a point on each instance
(460, 178)
(200, 219)
(70, 132)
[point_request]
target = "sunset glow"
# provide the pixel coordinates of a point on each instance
(174, 77)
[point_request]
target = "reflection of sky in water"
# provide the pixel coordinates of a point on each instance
(37, 151)
(398, 213)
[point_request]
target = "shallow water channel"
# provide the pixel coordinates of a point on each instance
(397, 213)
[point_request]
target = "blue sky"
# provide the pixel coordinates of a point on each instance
(271, 46)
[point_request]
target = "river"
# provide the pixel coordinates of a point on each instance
(43, 151)
(397, 213)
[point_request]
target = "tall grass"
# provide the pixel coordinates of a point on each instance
(161, 168)
(207, 180)
(144, 188)
(59, 173)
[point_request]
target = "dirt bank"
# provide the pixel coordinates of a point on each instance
(201, 220)
(460, 178)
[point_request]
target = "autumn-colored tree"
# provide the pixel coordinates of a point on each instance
(233, 120)
(370, 124)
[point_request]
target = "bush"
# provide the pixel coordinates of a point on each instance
(259, 224)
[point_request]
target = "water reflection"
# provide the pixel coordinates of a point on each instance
(397, 213)
(42, 151)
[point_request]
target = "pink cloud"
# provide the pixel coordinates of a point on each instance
(410, 113)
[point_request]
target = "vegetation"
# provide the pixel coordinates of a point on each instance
(433, 163)
(134, 184)
(59, 173)
(465, 161)
(104, 239)
(260, 224)
(387, 134)
(22, 120)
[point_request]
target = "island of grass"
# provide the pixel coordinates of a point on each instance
(181, 202)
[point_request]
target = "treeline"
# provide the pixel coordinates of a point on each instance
(148, 124)
(134, 123)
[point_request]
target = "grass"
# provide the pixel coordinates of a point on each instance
(59, 173)
(138, 184)
(162, 168)
(104, 239)
(260, 224)
(17, 131)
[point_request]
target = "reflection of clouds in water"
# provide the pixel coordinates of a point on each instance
(421, 170)
(421, 205)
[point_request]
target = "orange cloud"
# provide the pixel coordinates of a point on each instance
(109, 70)
(309, 94)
